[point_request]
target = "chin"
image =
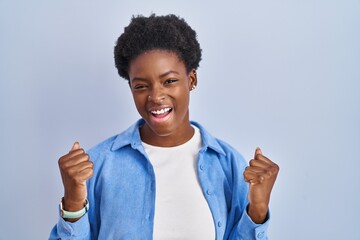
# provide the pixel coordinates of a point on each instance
(161, 131)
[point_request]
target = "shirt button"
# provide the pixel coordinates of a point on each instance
(219, 224)
(209, 192)
(202, 167)
(260, 235)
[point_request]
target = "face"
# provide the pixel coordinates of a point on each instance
(161, 86)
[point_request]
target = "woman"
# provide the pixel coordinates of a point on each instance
(165, 177)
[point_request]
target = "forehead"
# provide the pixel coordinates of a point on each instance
(156, 62)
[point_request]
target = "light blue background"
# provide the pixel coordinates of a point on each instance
(282, 75)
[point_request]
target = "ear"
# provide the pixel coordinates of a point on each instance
(192, 79)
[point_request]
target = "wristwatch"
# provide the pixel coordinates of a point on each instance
(72, 215)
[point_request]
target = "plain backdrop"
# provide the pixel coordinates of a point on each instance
(282, 75)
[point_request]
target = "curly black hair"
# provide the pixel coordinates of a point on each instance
(168, 32)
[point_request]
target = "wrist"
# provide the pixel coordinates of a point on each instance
(72, 205)
(257, 213)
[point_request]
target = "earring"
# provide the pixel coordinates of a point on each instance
(193, 87)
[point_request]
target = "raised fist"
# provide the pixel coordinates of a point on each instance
(75, 168)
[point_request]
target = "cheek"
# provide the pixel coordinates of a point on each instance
(184, 99)
(139, 102)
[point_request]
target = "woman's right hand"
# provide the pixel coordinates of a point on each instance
(75, 168)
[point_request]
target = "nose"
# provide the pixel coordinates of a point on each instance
(156, 95)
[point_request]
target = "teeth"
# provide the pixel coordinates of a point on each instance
(162, 111)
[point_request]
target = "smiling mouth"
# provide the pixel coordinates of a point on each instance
(160, 113)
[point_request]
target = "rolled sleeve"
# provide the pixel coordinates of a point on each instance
(71, 230)
(248, 230)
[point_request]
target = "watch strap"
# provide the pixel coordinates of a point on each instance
(72, 215)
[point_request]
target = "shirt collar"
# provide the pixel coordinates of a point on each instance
(131, 136)
(208, 140)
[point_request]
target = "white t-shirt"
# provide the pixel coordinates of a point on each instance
(181, 210)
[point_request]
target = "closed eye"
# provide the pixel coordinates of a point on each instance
(139, 86)
(170, 81)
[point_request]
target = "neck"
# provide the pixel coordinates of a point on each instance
(169, 140)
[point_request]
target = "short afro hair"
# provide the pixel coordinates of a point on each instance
(170, 33)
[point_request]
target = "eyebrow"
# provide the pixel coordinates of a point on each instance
(161, 75)
(167, 73)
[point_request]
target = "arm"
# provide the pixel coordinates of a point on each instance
(261, 175)
(75, 169)
(254, 220)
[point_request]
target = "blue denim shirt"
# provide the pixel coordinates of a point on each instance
(122, 191)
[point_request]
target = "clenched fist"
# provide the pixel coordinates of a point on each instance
(75, 168)
(261, 175)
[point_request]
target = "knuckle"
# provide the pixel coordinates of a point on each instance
(77, 152)
(261, 179)
(91, 173)
(62, 166)
(275, 168)
(65, 165)
(268, 173)
(71, 172)
(61, 159)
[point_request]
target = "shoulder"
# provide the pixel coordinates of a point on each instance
(118, 141)
(233, 158)
(103, 147)
(223, 149)
(229, 149)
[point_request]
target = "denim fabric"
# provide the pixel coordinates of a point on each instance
(122, 191)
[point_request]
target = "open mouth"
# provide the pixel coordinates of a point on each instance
(161, 113)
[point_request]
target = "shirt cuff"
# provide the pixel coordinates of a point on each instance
(247, 227)
(74, 230)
